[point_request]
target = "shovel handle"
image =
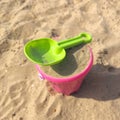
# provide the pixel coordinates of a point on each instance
(83, 38)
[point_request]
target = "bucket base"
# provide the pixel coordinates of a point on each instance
(68, 87)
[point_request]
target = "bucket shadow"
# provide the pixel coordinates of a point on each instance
(69, 64)
(102, 83)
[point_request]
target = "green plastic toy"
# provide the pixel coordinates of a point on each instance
(46, 51)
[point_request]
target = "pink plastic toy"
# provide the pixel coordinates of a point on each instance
(67, 85)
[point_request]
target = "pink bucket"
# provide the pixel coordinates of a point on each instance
(67, 85)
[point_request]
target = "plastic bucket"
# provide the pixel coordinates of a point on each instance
(67, 85)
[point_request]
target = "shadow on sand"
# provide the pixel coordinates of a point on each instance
(102, 83)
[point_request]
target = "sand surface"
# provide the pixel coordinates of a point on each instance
(23, 96)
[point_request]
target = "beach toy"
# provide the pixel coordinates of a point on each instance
(67, 85)
(46, 51)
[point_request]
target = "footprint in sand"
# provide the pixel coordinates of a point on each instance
(13, 101)
(47, 105)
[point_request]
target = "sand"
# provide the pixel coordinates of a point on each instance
(23, 96)
(76, 61)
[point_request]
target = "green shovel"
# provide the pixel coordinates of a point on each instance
(46, 51)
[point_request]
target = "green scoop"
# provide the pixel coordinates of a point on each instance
(46, 51)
